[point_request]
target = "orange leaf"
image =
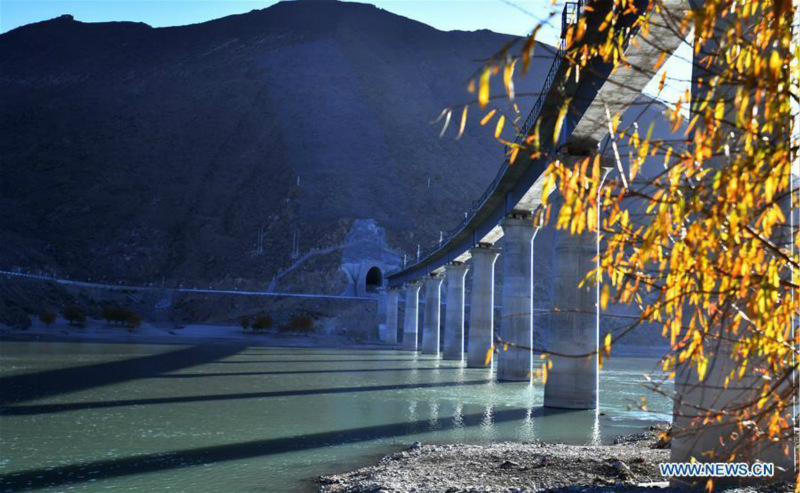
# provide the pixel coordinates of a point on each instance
(508, 79)
(483, 91)
(660, 60)
(499, 128)
(488, 117)
(562, 113)
(463, 123)
(488, 356)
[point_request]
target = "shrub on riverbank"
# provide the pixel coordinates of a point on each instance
(74, 315)
(47, 318)
(359, 334)
(263, 322)
(116, 315)
(302, 324)
(133, 321)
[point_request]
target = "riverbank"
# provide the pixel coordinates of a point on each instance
(99, 331)
(628, 466)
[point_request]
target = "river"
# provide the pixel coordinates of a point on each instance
(224, 418)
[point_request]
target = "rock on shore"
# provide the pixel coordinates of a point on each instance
(628, 466)
(504, 467)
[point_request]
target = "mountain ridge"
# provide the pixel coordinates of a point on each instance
(136, 153)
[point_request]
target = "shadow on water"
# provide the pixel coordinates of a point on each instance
(285, 361)
(302, 352)
(147, 463)
(80, 406)
(19, 388)
(306, 372)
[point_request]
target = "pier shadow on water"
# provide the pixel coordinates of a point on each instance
(305, 372)
(37, 385)
(151, 463)
(80, 406)
(317, 361)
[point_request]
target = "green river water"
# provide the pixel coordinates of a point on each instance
(92, 417)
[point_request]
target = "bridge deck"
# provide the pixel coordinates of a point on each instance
(518, 187)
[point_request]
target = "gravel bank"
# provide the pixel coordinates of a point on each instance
(629, 466)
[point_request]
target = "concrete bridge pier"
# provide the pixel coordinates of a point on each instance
(572, 380)
(382, 302)
(411, 316)
(454, 315)
(431, 323)
(516, 322)
(481, 313)
(717, 442)
(392, 299)
(736, 401)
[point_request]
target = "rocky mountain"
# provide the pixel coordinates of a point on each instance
(216, 151)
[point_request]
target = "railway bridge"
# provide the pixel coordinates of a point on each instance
(505, 212)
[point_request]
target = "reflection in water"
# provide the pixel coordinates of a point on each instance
(459, 424)
(583, 423)
(487, 429)
(596, 428)
(458, 417)
(487, 417)
(527, 431)
(189, 424)
(412, 411)
(433, 420)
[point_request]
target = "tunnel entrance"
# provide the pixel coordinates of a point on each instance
(374, 279)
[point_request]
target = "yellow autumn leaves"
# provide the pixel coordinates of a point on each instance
(702, 242)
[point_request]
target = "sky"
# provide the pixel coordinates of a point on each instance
(516, 17)
(511, 17)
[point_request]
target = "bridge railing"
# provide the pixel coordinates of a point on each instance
(569, 16)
